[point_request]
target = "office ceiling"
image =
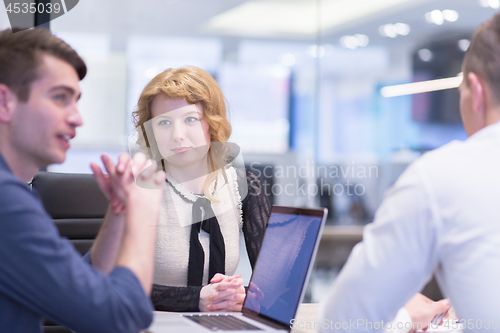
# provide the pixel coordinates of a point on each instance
(269, 19)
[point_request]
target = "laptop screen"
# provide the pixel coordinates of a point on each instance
(281, 269)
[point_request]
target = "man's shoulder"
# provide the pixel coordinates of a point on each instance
(9, 182)
(446, 154)
(457, 152)
(439, 166)
(457, 162)
(14, 194)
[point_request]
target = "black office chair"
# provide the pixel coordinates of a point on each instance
(77, 207)
(432, 290)
(75, 203)
(55, 329)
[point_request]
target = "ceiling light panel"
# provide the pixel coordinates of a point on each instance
(353, 42)
(422, 87)
(394, 30)
(495, 4)
(438, 17)
(295, 17)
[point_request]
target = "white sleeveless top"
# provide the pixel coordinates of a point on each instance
(174, 230)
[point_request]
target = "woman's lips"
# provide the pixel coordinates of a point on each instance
(180, 150)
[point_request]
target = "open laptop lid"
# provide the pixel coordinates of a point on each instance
(284, 264)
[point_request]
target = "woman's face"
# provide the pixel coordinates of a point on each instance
(180, 130)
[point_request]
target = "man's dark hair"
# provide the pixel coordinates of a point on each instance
(21, 54)
(483, 55)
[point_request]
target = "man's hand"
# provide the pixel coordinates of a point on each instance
(423, 309)
(114, 184)
(126, 198)
(137, 251)
(119, 181)
(224, 293)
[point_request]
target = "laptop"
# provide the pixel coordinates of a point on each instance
(278, 281)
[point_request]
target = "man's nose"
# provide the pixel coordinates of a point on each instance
(74, 117)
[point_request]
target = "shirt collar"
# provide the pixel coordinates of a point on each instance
(4, 165)
(489, 131)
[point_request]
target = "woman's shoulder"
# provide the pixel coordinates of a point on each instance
(244, 174)
(249, 182)
(252, 176)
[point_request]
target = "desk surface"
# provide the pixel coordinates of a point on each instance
(307, 313)
(343, 232)
(307, 316)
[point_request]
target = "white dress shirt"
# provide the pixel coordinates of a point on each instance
(442, 216)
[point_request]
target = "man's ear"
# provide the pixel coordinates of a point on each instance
(478, 88)
(7, 102)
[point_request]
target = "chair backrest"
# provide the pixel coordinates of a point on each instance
(75, 203)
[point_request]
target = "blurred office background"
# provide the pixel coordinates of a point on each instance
(305, 82)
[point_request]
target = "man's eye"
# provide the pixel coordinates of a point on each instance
(60, 97)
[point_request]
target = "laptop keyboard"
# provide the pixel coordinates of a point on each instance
(222, 323)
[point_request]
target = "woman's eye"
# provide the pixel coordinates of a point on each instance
(163, 122)
(191, 119)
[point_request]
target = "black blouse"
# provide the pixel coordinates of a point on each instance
(256, 210)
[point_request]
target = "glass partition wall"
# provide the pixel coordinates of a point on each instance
(317, 90)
